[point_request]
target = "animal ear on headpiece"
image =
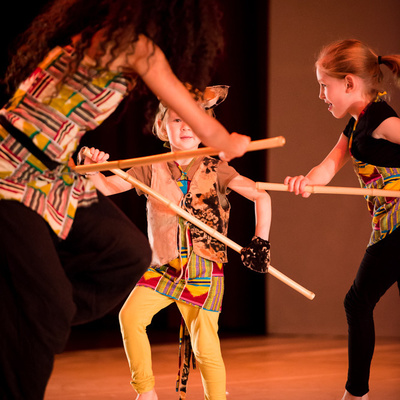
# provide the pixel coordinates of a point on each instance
(214, 95)
(210, 98)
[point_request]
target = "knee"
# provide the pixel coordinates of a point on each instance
(356, 306)
(137, 250)
(207, 350)
(126, 315)
(128, 323)
(130, 260)
(350, 301)
(146, 256)
(132, 319)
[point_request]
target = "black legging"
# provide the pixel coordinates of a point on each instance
(47, 285)
(379, 270)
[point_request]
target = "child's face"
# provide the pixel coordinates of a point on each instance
(333, 92)
(180, 135)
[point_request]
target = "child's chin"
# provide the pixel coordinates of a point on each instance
(337, 116)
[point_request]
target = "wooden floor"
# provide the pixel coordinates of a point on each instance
(258, 368)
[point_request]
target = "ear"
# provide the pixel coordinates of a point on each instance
(163, 135)
(350, 83)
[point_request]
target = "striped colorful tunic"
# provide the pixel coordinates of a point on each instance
(55, 114)
(377, 165)
(190, 278)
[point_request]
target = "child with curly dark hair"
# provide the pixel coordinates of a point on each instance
(67, 254)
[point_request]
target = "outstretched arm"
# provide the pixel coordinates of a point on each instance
(151, 65)
(256, 256)
(323, 173)
(107, 185)
(262, 203)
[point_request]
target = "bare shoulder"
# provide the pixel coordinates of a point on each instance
(136, 55)
(143, 55)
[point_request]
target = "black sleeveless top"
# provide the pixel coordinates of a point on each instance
(364, 147)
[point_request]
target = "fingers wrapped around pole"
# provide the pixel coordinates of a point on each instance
(209, 230)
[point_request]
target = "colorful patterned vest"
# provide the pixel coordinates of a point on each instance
(54, 114)
(202, 201)
(385, 211)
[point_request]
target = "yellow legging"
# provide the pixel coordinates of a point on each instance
(137, 313)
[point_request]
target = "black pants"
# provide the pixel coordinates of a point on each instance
(379, 270)
(47, 285)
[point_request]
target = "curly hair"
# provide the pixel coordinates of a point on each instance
(189, 33)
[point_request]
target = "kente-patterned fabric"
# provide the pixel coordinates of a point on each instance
(186, 356)
(377, 165)
(55, 113)
(189, 277)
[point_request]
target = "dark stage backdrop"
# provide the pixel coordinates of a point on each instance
(243, 68)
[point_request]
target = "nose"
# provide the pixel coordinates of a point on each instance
(185, 127)
(321, 94)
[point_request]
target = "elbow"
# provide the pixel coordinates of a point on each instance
(262, 197)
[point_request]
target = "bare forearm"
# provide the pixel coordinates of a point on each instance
(109, 185)
(262, 207)
(262, 203)
(320, 175)
(165, 85)
(323, 173)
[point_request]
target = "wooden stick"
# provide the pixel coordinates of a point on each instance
(262, 144)
(331, 190)
(211, 231)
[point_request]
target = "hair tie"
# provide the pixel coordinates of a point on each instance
(379, 60)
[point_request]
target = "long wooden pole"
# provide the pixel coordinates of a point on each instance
(211, 231)
(331, 190)
(262, 144)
